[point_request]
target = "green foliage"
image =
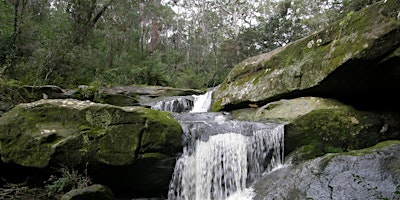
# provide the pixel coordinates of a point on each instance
(69, 179)
(189, 78)
(6, 33)
(67, 45)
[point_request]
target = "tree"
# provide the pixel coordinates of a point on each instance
(85, 15)
(6, 34)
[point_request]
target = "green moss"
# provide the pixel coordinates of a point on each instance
(373, 148)
(305, 152)
(92, 133)
(332, 149)
(118, 147)
(328, 157)
(216, 105)
(161, 127)
(47, 132)
(333, 131)
(330, 126)
(155, 155)
(257, 77)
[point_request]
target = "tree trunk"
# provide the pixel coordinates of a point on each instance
(16, 27)
(154, 35)
(154, 29)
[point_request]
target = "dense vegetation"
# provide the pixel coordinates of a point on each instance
(189, 44)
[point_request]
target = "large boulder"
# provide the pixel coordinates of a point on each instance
(129, 149)
(320, 126)
(355, 60)
(371, 173)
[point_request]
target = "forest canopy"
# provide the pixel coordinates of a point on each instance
(178, 43)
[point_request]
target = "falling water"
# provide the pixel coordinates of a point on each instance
(179, 104)
(222, 157)
(202, 102)
(175, 104)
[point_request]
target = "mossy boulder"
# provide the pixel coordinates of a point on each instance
(354, 60)
(319, 126)
(49, 134)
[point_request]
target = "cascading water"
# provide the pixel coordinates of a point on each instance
(175, 104)
(194, 103)
(202, 103)
(222, 156)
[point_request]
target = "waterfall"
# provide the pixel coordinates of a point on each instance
(222, 157)
(202, 102)
(217, 168)
(174, 104)
(193, 103)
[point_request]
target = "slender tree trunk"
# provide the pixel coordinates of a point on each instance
(154, 35)
(154, 29)
(142, 28)
(236, 13)
(16, 22)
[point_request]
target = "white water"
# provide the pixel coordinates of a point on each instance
(223, 166)
(215, 170)
(202, 103)
(179, 104)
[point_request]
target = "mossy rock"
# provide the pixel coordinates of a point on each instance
(50, 134)
(319, 126)
(351, 60)
(32, 133)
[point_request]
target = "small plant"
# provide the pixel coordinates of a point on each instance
(70, 179)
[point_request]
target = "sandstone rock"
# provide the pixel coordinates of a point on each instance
(115, 144)
(370, 173)
(322, 126)
(354, 60)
